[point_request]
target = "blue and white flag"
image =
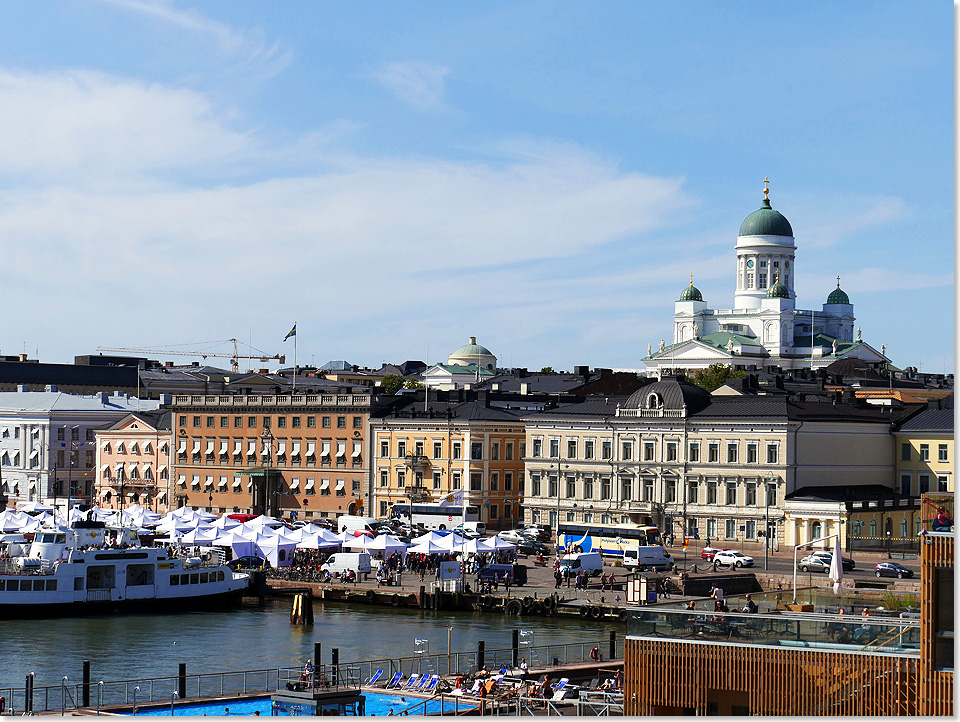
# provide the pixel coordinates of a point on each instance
(293, 332)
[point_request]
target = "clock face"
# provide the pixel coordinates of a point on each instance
(750, 263)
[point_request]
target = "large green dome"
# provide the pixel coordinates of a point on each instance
(766, 222)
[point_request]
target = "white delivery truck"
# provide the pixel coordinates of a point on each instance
(355, 523)
(357, 562)
(591, 562)
(642, 558)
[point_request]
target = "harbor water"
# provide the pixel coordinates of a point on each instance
(137, 646)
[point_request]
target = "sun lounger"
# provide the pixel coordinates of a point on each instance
(394, 681)
(432, 683)
(411, 683)
(560, 689)
(375, 678)
(422, 683)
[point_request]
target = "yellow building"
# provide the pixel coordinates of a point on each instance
(424, 454)
(925, 451)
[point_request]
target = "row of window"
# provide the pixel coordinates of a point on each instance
(266, 422)
(922, 486)
(476, 480)
(309, 489)
(906, 452)
(712, 490)
(181, 580)
(671, 451)
(134, 448)
(456, 450)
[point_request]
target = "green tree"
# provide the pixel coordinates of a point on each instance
(547, 370)
(391, 384)
(413, 384)
(715, 375)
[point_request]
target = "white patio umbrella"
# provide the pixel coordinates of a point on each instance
(313, 541)
(836, 566)
(427, 547)
(32, 507)
(497, 544)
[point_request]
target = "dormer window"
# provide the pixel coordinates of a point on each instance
(654, 401)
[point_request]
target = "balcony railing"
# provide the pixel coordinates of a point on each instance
(268, 400)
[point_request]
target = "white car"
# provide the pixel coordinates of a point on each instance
(733, 559)
(512, 536)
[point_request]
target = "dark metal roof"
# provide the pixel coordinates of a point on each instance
(930, 420)
(674, 394)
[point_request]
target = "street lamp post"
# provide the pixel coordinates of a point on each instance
(889, 539)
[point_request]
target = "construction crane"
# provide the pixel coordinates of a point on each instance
(234, 357)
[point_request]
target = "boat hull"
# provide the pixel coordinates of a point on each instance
(209, 602)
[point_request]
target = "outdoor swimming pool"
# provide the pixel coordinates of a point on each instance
(377, 705)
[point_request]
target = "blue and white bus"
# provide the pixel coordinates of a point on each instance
(436, 516)
(608, 539)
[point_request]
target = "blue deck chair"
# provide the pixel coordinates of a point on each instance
(559, 689)
(411, 683)
(375, 678)
(423, 681)
(394, 681)
(432, 684)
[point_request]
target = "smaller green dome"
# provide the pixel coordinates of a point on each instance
(837, 295)
(778, 290)
(691, 292)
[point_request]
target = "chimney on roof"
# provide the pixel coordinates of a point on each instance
(778, 381)
(23, 388)
(51, 387)
(168, 364)
(104, 397)
(194, 363)
(483, 398)
(524, 389)
(583, 371)
(166, 399)
(23, 358)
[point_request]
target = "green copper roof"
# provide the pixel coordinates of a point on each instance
(691, 293)
(766, 222)
(838, 296)
(778, 290)
(472, 349)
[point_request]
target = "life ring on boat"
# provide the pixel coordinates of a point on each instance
(595, 654)
(207, 556)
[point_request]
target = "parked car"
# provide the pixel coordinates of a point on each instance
(512, 536)
(813, 563)
(539, 533)
(467, 533)
(733, 559)
(847, 563)
(708, 552)
(248, 563)
(529, 546)
(892, 569)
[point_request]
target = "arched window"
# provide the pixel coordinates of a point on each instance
(654, 401)
(873, 527)
(903, 528)
(816, 530)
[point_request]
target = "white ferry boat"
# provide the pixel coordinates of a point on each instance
(94, 569)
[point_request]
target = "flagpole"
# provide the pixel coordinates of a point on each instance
(294, 362)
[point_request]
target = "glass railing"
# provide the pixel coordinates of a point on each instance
(891, 635)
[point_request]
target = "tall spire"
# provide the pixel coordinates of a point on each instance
(766, 189)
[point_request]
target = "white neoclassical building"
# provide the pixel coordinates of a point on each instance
(764, 330)
(717, 468)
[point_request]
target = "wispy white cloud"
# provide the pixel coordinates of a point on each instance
(247, 48)
(824, 222)
(418, 84)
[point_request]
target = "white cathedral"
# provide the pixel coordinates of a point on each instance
(764, 331)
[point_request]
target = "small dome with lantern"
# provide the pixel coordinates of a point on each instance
(837, 295)
(691, 292)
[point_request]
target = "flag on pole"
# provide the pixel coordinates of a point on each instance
(293, 332)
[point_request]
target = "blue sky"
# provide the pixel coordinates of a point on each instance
(398, 177)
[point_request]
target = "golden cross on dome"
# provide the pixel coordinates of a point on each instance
(766, 189)
(691, 279)
(838, 281)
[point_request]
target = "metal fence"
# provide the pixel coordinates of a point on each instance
(69, 694)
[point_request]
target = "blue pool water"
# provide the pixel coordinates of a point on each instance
(377, 704)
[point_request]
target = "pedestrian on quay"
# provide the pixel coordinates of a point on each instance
(558, 576)
(603, 582)
(566, 576)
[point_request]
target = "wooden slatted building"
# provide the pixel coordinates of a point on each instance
(666, 675)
